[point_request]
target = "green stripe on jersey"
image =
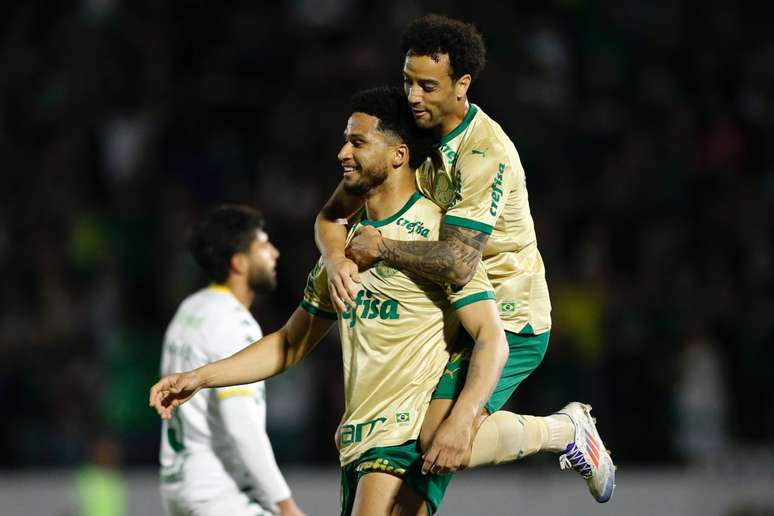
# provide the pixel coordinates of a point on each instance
(467, 223)
(473, 298)
(317, 311)
(377, 223)
(463, 125)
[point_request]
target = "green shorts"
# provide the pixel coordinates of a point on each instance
(404, 461)
(526, 353)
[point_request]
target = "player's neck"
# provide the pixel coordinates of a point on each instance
(392, 195)
(451, 122)
(240, 290)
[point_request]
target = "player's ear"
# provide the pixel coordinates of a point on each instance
(400, 156)
(461, 86)
(239, 263)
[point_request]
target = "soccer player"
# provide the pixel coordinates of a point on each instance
(395, 339)
(215, 455)
(475, 175)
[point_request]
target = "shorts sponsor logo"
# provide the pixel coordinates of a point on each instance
(379, 465)
(403, 418)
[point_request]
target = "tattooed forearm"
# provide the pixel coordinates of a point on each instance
(452, 259)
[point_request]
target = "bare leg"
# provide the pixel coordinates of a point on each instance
(381, 494)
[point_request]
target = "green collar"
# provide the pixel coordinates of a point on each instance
(463, 125)
(378, 223)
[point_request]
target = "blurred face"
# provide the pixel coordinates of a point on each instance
(366, 154)
(262, 258)
(430, 90)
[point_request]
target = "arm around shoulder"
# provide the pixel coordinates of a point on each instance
(451, 260)
(331, 237)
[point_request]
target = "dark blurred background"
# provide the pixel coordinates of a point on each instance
(646, 131)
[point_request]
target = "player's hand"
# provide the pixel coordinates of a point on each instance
(363, 249)
(342, 282)
(448, 448)
(288, 507)
(172, 391)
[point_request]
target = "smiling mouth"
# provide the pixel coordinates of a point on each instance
(418, 113)
(349, 171)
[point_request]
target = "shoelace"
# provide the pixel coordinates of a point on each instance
(573, 458)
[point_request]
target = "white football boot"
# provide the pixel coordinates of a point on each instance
(587, 454)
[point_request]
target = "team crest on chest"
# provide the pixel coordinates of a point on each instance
(443, 189)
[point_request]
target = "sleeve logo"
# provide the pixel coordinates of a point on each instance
(497, 191)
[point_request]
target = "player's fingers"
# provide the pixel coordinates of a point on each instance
(158, 398)
(437, 469)
(429, 461)
(157, 388)
(441, 465)
(338, 304)
(447, 465)
(160, 408)
(346, 292)
(158, 401)
(341, 291)
(350, 287)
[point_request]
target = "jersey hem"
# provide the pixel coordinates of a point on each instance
(526, 329)
(386, 444)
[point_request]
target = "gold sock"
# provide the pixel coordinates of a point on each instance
(506, 437)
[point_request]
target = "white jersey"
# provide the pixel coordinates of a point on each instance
(216, 444)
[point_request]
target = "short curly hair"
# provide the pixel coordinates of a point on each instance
(433, 34)
(388, 104)
(224, 231)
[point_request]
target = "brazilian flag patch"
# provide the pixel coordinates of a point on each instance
(403, 418)
(507, 307)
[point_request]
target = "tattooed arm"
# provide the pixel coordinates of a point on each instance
(452, 259)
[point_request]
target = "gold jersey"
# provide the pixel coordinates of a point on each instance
(476, 177)
(395, 342)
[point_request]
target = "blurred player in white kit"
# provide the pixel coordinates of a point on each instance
(216, 458)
